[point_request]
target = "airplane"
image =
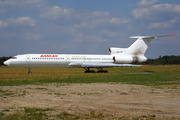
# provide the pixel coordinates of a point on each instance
(118, 57)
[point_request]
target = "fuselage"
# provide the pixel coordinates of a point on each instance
(56, 60)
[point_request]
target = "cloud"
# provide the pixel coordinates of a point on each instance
(159, 16)
(19, 21)
(81, 18)
(32, 36)
(109, 33)
(83, 24)
(97, 39)
(146, 2)
(7, 6)
(56, 12)
(165, 9)
(119, 20)
(161, 25)
(98, 14)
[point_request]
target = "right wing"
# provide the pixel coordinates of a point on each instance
(100, 65)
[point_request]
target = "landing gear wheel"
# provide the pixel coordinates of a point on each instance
(92, 71)
(86, 71)
(29, 72)
(89, 71)
(105, 71)
(100, 70)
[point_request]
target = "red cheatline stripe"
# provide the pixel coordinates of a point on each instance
(172, 35)
(145, 65)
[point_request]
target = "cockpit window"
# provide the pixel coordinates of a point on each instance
(13, 57)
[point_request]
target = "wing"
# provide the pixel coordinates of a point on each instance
(100, 65)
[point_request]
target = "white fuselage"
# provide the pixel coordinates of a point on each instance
(56, 60)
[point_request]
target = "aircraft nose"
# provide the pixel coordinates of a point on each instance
(7, 62)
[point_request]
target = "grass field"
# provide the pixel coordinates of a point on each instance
(160, 77)
(151, 75)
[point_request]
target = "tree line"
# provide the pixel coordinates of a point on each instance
(2, 59)
(165, 60)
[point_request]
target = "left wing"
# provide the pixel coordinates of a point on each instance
(100, 65)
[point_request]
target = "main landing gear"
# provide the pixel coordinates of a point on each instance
(29, 72)
(100, 70)
(87, 70)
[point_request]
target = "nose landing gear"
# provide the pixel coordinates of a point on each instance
(29, 72)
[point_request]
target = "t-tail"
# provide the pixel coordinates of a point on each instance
(134, 53)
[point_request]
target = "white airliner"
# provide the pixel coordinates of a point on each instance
(119, 57)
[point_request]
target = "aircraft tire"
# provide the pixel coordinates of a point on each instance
(102, 71)
(92, 71)
(105, 71)
(89, 71)
(29, 72)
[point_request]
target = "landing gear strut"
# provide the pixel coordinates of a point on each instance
(29, 72)
(87, 70)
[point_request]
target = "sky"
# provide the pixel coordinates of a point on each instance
(87, 26)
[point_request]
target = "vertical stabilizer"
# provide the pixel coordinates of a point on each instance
(140, 46)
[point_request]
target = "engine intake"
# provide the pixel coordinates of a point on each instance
(114, 50)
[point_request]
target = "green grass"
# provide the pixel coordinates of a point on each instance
(27, 114)
(32, 110)
(152, 75)
(42, 115)
(67, 116)
(41, 89)
(59, 94)
(4, 93)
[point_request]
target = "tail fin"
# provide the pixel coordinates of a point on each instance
(140, 46)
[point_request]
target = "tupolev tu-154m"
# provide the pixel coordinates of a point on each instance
(118, 57)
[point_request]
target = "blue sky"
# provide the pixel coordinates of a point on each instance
(87, 26)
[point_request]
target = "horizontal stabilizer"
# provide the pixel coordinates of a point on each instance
(151, 37)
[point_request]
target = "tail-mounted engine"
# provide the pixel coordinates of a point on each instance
(126, 59)
(123, 59)
(114, 50)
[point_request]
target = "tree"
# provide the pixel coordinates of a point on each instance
(2, 59)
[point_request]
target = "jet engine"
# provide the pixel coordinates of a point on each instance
(114, 50)
(141, 58)
(124, 59)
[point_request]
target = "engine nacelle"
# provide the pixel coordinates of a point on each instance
(124, 59)
(141, 58)
(114, 50)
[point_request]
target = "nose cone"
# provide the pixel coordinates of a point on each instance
(7, 62)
